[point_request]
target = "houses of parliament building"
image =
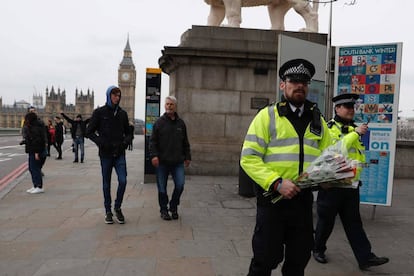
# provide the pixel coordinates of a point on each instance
(11, 116)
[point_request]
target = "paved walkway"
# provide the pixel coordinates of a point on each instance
(62, 232)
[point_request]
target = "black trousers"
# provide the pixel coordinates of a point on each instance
(344, 202)
(283, 230)
(58, 147)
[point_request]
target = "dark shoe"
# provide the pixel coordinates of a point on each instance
(108, 218)
(119, 216)
(374, 261)
(174, 214)
(81, 160)
(320, 257)
(75, 161)
(165, 215)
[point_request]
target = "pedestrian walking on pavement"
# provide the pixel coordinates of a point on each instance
(32, 109)
(169, 152)
(77, 130)
(281, 142)
(51, 135)
(109, 129)
(132, 130)
(345, 202)
(58, 137)
(35, 147)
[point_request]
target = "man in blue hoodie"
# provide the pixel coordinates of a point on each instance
(109, 129)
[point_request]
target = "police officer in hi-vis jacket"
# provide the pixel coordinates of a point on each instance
(281, 142)
(342, 201)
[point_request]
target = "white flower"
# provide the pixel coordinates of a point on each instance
(331, 169)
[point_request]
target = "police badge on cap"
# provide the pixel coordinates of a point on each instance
(346, 98)
(297, 69)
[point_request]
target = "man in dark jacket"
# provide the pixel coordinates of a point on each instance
(35, 147)
(109, 129)
(77, 130)
(169, 152)
(58, 136)
(32, 109)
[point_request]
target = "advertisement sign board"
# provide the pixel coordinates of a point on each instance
(152, 113)
(373, 72)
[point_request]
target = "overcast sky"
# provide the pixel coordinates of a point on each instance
(73, 44)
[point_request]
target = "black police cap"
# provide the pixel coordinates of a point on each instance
(346, 98)
(297, 69)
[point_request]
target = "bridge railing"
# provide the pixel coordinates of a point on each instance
(9, 131)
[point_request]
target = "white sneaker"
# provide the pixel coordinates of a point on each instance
(30, 190)
(37, 191)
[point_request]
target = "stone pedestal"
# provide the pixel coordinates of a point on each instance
(221, 77)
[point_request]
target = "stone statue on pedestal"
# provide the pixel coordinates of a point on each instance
(231, 10)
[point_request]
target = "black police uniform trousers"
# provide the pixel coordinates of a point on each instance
(345, 202)
(283, 230)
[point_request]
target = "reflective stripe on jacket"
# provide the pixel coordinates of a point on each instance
(272, 147)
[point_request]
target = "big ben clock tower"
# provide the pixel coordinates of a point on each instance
(126, 82)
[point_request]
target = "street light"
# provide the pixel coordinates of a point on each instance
(328, 57)
(329, 93)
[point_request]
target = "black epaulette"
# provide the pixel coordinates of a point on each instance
(330, 123)
(316, 124)
(283, 108)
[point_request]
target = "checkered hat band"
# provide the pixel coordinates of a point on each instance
(300, 69)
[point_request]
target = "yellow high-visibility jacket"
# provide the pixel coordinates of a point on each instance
(351, 140)
(272, 147)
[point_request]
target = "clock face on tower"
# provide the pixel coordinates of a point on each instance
(125, 76)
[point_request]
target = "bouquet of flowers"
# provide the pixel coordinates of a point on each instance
(331, 169)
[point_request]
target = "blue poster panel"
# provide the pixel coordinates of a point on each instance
(152, 112)
(373, 72)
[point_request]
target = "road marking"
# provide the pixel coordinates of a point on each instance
(11, 154)
(13, 175)
(10, 147)
(4, 159)
(8, 156)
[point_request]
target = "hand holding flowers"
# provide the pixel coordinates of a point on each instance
(288, 189)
